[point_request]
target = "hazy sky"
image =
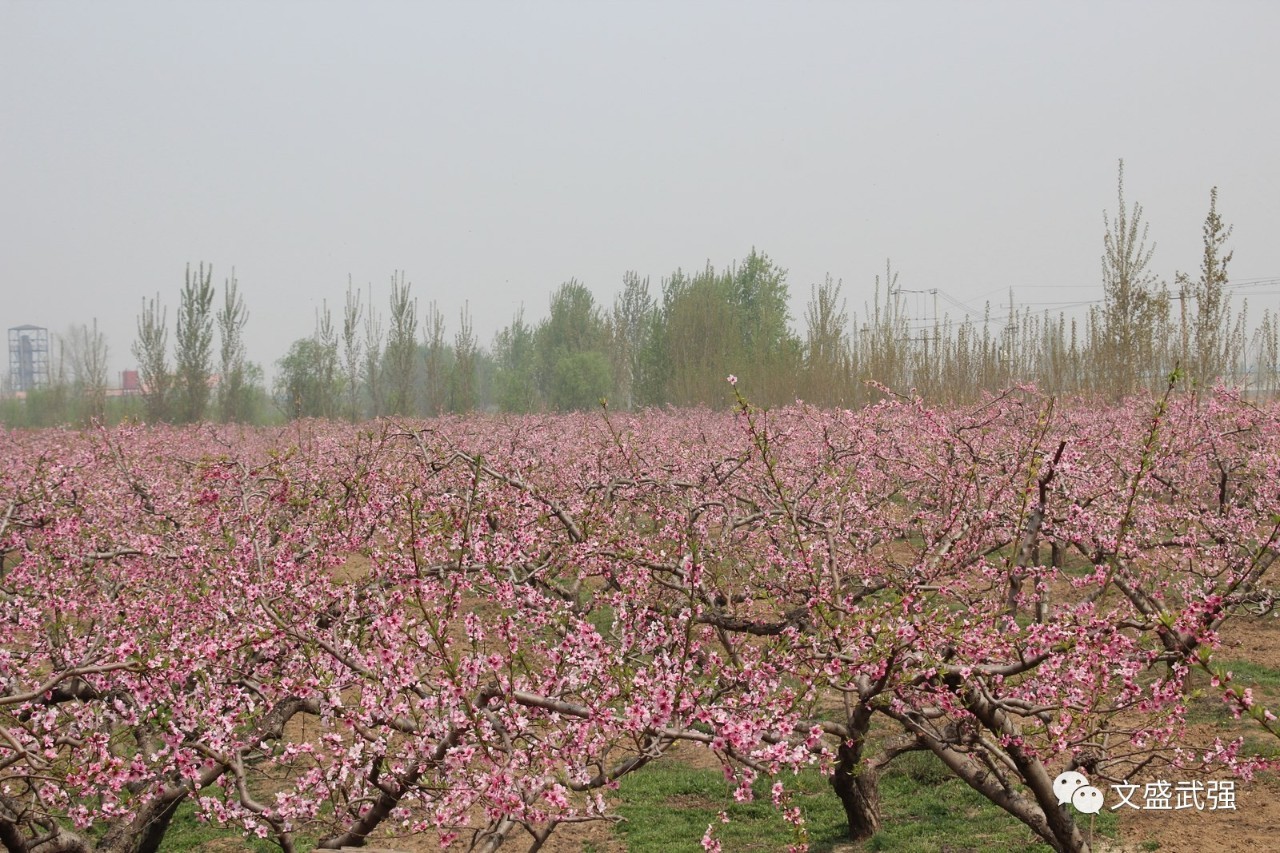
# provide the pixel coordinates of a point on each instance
(494, 150)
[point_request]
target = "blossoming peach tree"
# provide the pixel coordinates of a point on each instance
(474, 628)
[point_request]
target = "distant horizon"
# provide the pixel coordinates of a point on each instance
(493, 157)
(948, 309)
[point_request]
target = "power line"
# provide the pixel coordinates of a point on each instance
(923, 324)
(1230, 287)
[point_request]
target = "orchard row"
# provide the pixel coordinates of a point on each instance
(472, 628)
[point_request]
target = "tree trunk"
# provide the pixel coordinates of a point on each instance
(145, 832)
(858, 788)
(153, 833)
(855, 782)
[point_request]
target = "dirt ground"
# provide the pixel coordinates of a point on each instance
(1254, 825)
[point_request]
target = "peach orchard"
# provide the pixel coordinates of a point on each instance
(473, 628)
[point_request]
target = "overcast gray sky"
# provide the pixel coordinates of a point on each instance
(494, 150)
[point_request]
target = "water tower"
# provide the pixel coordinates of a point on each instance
(28, 358)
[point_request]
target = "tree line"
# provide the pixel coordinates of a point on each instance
(676, 342)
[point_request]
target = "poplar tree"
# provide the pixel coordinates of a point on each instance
(826, 354)
(1210, 335)
(437, 368)
(373, 355)
(1134, 304)
(151, 349)
(573, 367)
(351, 350)
(194, 344)
(631, 325)
(514, 355)
(462, 386)
(402, 347)
(328, 383)
(233, 386)
(87, 351)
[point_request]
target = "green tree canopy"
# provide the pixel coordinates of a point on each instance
(305, 387)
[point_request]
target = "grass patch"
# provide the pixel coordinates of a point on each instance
(1074, 564)
(668, 805)
(1206, 707)
(925, 809)
(187, 832)
(1249, 674)
(601, 618)
(1266, 745)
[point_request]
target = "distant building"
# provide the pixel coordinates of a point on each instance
(28, 358)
